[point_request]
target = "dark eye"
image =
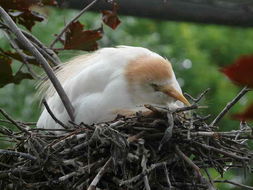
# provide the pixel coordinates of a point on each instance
(155, 86)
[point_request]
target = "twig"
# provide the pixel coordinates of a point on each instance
(167, 176)
(29, 46)
(196, 100)
(229, 106)
(23, 56)
(99, 175)
(144, 164)
(21, 154)
(222, 152)
(42, 46)
(46, 55)
(14, 122)
(52, 115)
(188, 160)
(72, 20)
(142, 174)
(234, 183)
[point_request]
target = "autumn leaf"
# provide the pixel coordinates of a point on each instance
(241, 72)
(24, 5)
(6, 75)
(5, 70)
(26, 18)
(79, 39)
(246, 115)
(110, 17)
(16, 56)
(49, 2)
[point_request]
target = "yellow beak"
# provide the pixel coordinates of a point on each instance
(170, 91)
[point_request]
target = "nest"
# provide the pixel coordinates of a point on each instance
(168, 149)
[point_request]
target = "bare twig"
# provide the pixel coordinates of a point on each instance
(232, 155)
(229, 106)
(167, 176)
(142, 174)
(72, 20)
(23, 56)
(19, 154)
(42, 46)
(196, 100)
(14, 122)
(99, 175)
(144, 164)
(188, 160)
(52, 114)
(29, 46)
(234, 183)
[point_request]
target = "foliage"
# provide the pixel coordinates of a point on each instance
(196, 51)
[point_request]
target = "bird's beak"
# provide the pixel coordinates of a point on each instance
(171, 91)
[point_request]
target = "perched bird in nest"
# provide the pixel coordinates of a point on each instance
(109, 82)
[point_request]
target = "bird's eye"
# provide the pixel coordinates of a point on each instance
(155, 86)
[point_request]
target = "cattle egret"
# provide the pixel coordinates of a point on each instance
(109, 82)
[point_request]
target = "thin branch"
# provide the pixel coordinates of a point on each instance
(188, 160)
(52, 114)
(196, 100)
(234, 183)
(222, 152)
(22, 55)
(229, 106)
(73, 20)
(42, 46)
(142, 174)
(167, 176)
(14, 122)
(29, 46)
(99, 175)
(144, 164)
(20, 154)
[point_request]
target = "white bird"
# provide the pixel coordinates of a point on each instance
(109, 82)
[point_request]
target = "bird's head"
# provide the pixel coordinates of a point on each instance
(152, 81)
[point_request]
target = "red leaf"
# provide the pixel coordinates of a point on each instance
(49, 2)
(22, 5)
(110, 17)
(26, 18)
(16, 56)
(246, 115)
(6, 72)
(79, 39)
(241, 72)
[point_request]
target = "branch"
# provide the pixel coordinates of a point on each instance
(14, 122)
(188, 160)
(23, 56)
(52, 114)
(229, 106)
(99, 175)
(234, 183)
(41, 60)
(19, 154)
(73, 20)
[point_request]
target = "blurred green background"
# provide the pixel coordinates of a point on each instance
(196, 51)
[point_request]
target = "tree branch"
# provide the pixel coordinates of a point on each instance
(20, 154)
(229, 106)
(52, 114)
(234, 183)
(41, 60)
(14, 122)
